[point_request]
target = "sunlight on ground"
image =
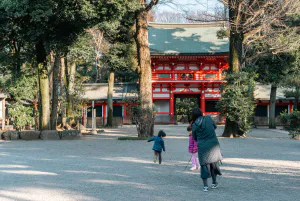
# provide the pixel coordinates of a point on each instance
(136, 160)
(126, 159)
(38, 194)
(263, 162)
(28, 172)
(14, 166)
(116, 182)
(90, 172)
(236, 177)
(264, 166)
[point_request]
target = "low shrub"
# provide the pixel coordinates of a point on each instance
(291, 123)
(133, 138)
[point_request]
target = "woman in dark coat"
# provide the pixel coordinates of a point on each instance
(209, 152)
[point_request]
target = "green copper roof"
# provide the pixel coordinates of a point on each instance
(174, 39)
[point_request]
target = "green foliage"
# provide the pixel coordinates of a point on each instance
(291, 122)
(184, 107)
(23, 90)
(237, 101)
(20, 114)
(271, 68)
(121, 57)
(82, 53)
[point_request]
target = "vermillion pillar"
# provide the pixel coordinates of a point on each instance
(171, 105)
(104, 107)
(290, 108)
(203, 101)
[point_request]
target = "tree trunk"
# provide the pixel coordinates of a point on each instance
(55, 83)
(272, 122)
(62, 92)
(35, 116)
(236, 62)
(145, 93)
(43, 86)
(110, 98)
(71, 89)
(50, 73)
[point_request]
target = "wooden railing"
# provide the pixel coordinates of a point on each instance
(188, 77)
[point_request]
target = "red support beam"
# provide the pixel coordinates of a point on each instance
(291, 108)
(171, 103)
(104, 110)
(203, 101)
(125, 108)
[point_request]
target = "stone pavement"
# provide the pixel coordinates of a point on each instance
(263, 167)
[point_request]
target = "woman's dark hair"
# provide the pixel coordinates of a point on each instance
(161, 133)
(196, 112)
(189, 128)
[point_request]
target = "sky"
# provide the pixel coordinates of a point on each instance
(188, 5)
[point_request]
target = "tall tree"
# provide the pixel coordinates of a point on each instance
(45, 23)
(120, 58)
(55, 92)
(144, 62)
(292, 82)
(272, 69)
(255, 21)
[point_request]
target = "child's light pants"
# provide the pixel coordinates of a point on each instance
(195, 160)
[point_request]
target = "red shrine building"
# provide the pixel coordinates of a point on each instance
(187, 63)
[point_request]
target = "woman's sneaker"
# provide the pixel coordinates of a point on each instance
(193, 168)
(214, 186)
(205, 188)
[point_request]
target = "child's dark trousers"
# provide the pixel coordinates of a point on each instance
(158, 153)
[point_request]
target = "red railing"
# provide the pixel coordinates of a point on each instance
(192, 77)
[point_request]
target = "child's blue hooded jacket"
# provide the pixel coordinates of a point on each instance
(159, 143)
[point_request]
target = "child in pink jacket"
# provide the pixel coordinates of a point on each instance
(193, 148)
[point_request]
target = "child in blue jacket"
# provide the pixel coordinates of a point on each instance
(159, 145)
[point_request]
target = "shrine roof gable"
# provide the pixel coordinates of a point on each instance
(176, 39)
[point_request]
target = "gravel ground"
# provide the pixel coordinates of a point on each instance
(263, 167)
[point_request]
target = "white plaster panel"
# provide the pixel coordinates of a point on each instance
(206, 67)
(161, 95)
(162, 105)
(213, 95)
(179, 89)
(193, 67)
(208, 90)
(195, 89)
(180, 67)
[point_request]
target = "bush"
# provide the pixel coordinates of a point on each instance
(237, 100)
(291, 123)
(133, 138)
(22, 115)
